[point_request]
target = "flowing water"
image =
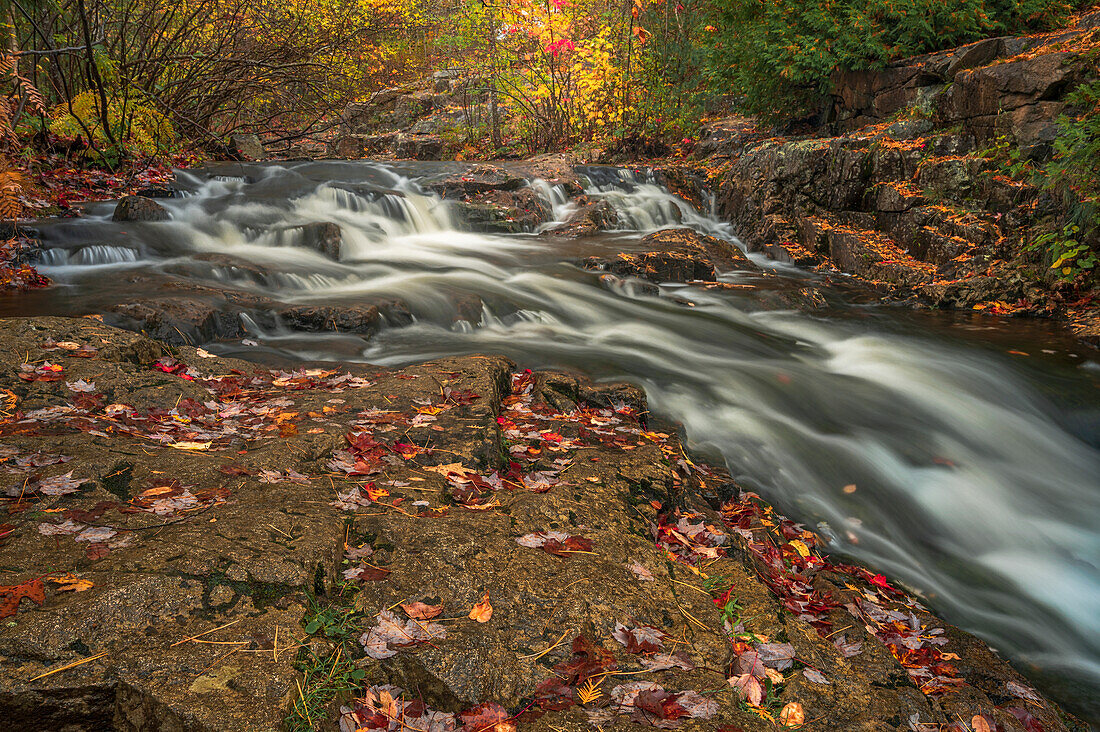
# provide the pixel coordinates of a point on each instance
(973, 443)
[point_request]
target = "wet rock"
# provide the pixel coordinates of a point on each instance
(554, 168)
(157, 192)
(139, 208)
(501, 211)
(362, 319)
(247, 147)
(586, 221)
(679, 255)
(629, 286)
(179, 321)
(488, 218)
(324, 237)
(234, 267)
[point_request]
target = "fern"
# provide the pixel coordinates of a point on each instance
(11, 190)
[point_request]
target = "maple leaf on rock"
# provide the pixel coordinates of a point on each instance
(779, 656)
(482, 611)
(390, 634)
(556, 542)
(12, 595)
(643, 639)
(665, 661)
(643, 574)
(487, 717)
(421, 611)
(748, 688)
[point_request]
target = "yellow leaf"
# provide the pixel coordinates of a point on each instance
(800, 547)
(69, 582)
(191, 445)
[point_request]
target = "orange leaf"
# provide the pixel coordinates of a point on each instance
(482, 611)
(792, 715)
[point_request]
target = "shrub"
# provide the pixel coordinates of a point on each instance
(137, 128)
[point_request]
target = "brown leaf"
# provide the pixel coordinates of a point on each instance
(370, 574)
(482, 611)
(12, 595)
(981, 723)
(97, 550)
(420, 611)
(487, 717)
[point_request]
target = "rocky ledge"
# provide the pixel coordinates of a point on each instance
(198, 543)
(908, 180)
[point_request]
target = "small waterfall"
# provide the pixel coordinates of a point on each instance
(643, 204)
(557, 198)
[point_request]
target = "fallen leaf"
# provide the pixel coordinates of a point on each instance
(643, 574)
(482, 611)
(97, 550)
(69, 582)
(792, 715)
(814, 675)
(487, 717)
(421, 611)
(12, 595)
(190, 445)
(748, 688)
(981, 723)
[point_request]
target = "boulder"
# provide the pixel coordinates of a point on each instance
(247, 147)
(386, 97)
(354, 146)
(139, 208)
(556, 169)
(157, 192)
(418, 147)
(501, 211)
(179, 320)
(477, 180)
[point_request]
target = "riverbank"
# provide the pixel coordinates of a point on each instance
(208, 544)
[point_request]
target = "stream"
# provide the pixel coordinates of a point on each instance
(973, 443)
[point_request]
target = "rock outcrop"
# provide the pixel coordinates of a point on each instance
(203, 544)
(906, 185)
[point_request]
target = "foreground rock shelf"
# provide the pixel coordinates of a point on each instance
(196, 543)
